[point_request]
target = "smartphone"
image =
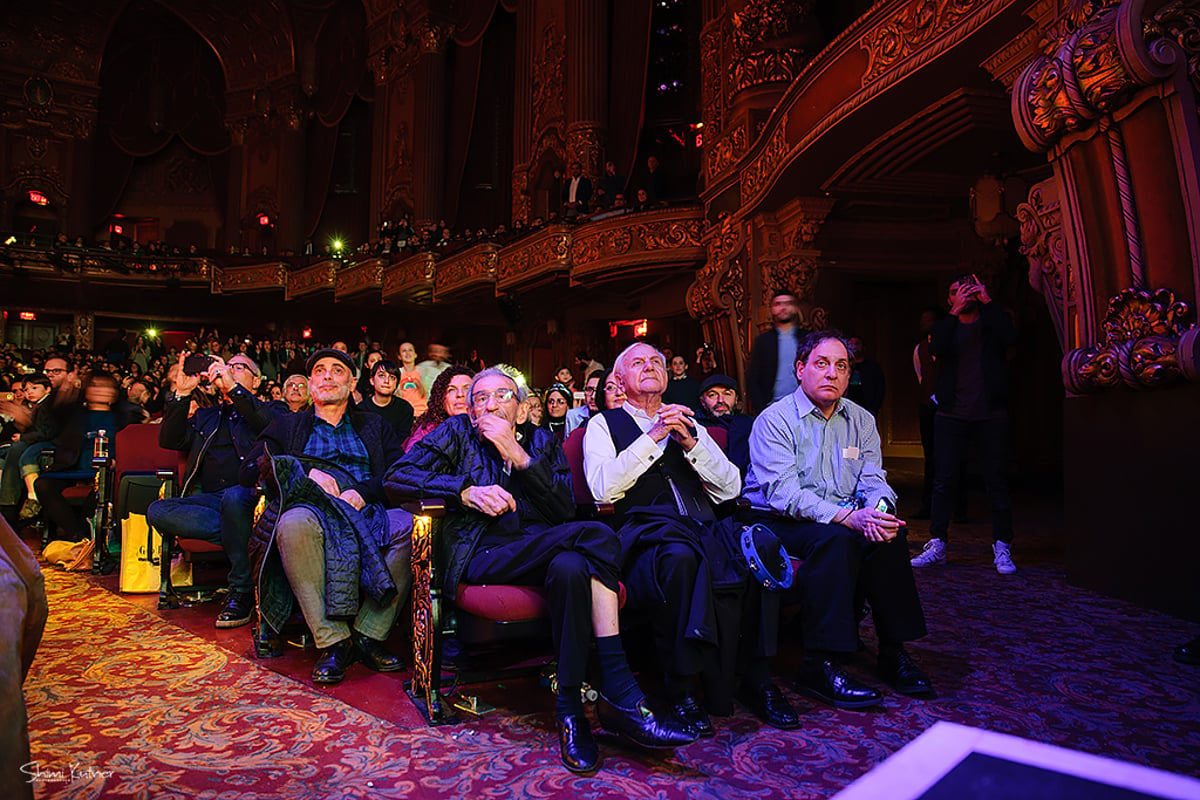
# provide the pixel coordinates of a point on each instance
(886, 506)
(197, 364)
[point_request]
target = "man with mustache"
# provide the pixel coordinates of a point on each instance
(816, 477)
(718, 407)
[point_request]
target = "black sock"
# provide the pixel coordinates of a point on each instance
(617, 683)
(569, 700)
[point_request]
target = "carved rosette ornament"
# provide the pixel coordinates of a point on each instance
(1045, 246)
(1102, 56)
(772, 41)
(1148, 344)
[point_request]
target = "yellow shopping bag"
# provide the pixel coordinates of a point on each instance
(141, 558)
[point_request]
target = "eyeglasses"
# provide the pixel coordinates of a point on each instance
(502, 395)
(54, 371)
(241, 367)
(589, 390)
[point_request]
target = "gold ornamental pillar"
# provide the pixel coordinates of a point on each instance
(429, 136)
(587, 83)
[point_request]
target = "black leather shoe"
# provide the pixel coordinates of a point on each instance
(829, 683)
(768, 704)
(642, 727)
(333, 661)
(688, 712)
(576, 745)
(1188, 653)
(900, 672)
(377, 657)
(236, 612)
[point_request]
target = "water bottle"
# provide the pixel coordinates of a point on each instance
(100, 445)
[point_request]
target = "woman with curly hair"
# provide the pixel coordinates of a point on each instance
(558, 400)
(447, 397)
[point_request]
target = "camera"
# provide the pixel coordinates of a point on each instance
(197, 364)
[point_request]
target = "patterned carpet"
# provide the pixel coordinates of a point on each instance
(141, 708)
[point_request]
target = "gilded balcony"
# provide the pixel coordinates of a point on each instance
(410, 279)
(362, 276)
(650, 241)
(249, 278)
(309, 280)
(536, 259)
(465, 272)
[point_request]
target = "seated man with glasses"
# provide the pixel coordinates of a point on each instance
(576, 416)
(514, 526)
(816, 477)
(211, 505)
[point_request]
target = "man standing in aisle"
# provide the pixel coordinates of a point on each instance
(971, 349)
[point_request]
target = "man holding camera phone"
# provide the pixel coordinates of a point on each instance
(212, 505)
(971, 349)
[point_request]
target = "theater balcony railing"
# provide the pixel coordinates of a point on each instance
(72, 264)
(630, 245)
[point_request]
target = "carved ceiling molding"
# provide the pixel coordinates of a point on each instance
(1149, 343)
(921, 22)
(813, 213)
(1006, 63)
(1045, 246)
(1104, 54)
(885, 73)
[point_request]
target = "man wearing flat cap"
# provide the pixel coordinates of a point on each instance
(719, 408)
(325, 541)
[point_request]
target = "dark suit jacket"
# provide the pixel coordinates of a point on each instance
(764, 361)
(582, 194)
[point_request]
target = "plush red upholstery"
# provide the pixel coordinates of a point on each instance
(502, 603)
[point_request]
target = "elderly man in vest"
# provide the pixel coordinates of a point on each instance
(513, 525)
(665, 475)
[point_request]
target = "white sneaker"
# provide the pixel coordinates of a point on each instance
(934, 553)
(1003, 558)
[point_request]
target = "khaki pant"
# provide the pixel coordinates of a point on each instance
(301, 542)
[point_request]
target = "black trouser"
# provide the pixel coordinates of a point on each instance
(928, 411)
(563, 559)
(55, 507)
(952, 437)
(837, 562)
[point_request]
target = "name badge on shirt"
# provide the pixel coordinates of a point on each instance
(850, 452)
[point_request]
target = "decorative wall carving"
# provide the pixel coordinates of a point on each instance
(797, 273)
(726, 151)
(1102, 56)
(548, 72)
(919, 24)
(1141, 349)
(522, 203)
(663, 239)
(585, 145)
(766, 66)
(756, 174)
(535, 257)
(1180, 21)
(1043, 243)
(771, 41)
(712, 87)
(813, 212)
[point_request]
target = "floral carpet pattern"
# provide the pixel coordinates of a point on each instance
(139, 708)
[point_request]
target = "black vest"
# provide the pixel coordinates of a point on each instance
(670, 485)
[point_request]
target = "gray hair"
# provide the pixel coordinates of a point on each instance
(522, 391)
(619, 364)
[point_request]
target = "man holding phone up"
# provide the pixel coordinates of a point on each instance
(971, 348)
(211, 505)
(816, 477)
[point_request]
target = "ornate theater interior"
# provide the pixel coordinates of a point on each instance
(396, 171)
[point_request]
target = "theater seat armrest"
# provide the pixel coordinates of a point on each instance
(425, 508)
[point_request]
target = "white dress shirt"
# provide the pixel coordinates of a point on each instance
(611, 474)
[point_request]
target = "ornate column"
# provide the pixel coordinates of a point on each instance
(587, 83)
(1114, 244)
(1117, 226)
(429, 134)
(85, 330)
(523, 110)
